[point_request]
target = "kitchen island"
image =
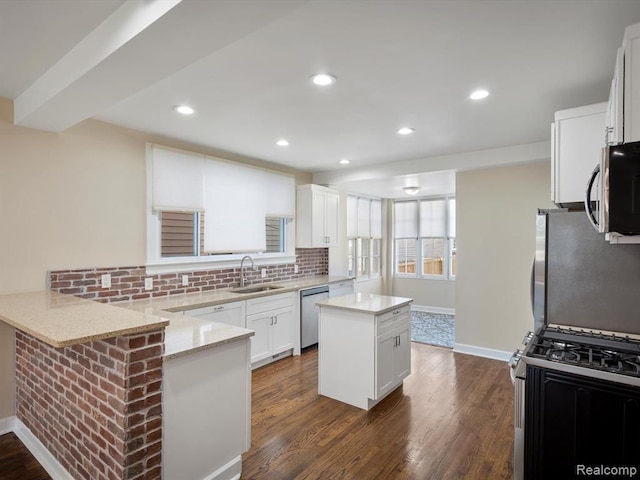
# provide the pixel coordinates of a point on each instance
(364, 347)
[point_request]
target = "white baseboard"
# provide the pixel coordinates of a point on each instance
(40, 452)
(231, 471)
(440, 310)
(7, 424)
(482, 352)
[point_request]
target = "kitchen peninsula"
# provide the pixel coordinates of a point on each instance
(97, 395)
(364, 347)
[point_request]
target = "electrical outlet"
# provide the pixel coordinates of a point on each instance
(106, 280)
(185, 280)
(263, 273)
(148, 283)
(296, 269)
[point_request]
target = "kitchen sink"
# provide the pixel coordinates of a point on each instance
(255, 289)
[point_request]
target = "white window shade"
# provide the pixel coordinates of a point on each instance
(235, 208)
(177, 181)
(452, 217)
(364, 218)
(404, 220)
(376, 219)
(352, 216)
(281, 195)
(432, 218)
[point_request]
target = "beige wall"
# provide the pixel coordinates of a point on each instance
(71, 200)
(496, 211)
(440, 294)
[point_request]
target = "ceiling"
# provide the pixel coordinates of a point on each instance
(245, 66)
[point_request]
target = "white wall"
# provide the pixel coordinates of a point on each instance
(433, 295)
(496, 211)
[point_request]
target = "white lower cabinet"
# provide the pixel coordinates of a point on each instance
(393, 359)
(362, 355)
(227, 313)
(272, 318)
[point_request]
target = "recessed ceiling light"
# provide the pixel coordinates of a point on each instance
(184, 109)
(479, 94)
(344, 161)
(282, 143)
(411, 190)
(323, 79)
(406, 131)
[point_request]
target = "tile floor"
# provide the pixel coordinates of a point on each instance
(433, 328)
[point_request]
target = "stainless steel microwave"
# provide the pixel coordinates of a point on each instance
(612, 199)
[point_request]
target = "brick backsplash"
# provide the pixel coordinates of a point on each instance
(127, 283)
(97, 407)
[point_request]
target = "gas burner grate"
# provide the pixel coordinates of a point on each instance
(608, 353)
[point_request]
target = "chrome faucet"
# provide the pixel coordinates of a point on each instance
(253, 265)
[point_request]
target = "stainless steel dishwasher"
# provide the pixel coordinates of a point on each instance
(309, 314)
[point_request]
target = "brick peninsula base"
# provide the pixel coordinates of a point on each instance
(97, 407)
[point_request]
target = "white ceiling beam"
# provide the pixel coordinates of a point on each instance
(131, 50)
(116, 31)
(493, 157)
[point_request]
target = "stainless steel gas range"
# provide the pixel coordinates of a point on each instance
(577, 378)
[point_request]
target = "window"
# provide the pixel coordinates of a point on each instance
(424, 238)
(197, 213)
(180, 230)
(364, 233)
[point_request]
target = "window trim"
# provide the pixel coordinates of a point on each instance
(446, 267)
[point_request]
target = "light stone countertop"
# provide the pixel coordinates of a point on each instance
(62, 320)
(365, 303)
(187, 334)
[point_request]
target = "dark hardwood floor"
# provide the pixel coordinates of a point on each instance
(16, 462)
(452, 419)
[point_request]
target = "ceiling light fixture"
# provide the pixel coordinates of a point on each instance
(344, 161)
(282, 143)
(479, 94)
(323, 79)
(406, 130)
(411, 190)
(184, 109)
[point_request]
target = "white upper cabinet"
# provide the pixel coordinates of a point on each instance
(578, 136)
(317, 210)
(623, 108)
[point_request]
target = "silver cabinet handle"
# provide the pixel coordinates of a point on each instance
(271, 318)
(219, 308)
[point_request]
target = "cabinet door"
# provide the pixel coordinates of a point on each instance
(402, 353)
(318, 236)
(579, 139)
(282, 330)
(261, 341)
(332, 205)
(615, 106)
(385, 346)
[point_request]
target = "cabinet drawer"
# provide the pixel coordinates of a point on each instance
(390, 320)
(270, 302)
(196, 312)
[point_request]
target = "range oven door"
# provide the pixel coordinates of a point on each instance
(574, 423)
